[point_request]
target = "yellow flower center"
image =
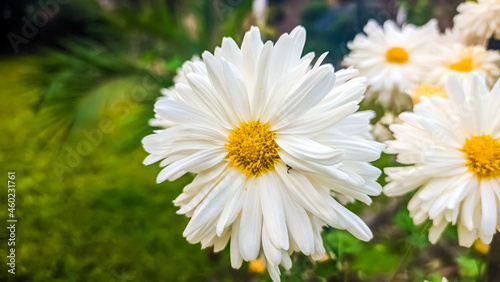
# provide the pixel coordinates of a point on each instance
(483, 155)
(252, 149)
(465, 65)
(396, 55)
(427, 90)
(257, 266)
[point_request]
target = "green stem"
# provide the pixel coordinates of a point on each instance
(408, 251)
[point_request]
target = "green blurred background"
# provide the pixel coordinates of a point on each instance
(78, 83)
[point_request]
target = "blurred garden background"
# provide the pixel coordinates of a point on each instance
(78, 83)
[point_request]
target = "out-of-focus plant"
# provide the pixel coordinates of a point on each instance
(132, 50)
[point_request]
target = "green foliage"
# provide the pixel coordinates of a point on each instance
(420, 12)
(341, 242)
(134, 51)
(470, 267)
(416, 235)
(376, 259)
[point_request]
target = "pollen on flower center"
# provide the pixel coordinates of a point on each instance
(465, 65)
(252, 149)
(483, 155)
(397, 55)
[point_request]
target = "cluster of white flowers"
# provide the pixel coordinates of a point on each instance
(278, 146)
(401, 60)
(479, 21)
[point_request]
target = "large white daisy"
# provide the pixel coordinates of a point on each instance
(274, 143)
(392, 58)
(479, 19)
(453, 149)
(460, 60)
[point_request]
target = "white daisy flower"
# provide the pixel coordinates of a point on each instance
(453, 149)
(392, 58)
(273, 141)
(479, 19)
(460, 60)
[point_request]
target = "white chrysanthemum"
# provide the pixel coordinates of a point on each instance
(171, 94)
(454, 147)
(392, 58)
(479, 19)
(273, 141)
(460, 60)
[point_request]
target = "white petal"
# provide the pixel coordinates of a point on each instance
(307, 196)
(307, 95)
(261, 91)
(465, 236)
(299, 224)
(436, 230)
(211, 206)
(468, 207)
(216, 103)
(196, 162)
(489, 208)
(251, 224)
(273, 254)
(307, 149)
(233, 207)
(273, 211)
(181, 113)
(236, 259)
(221, 242)
(353, 223)
(274, 272)
(237, 90)
(312, 125)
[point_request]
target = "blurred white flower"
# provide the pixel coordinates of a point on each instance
(273, 141)
(479, 19)
(392, 58)
(460, 60)
(453, 149)
(259, 11)
(171, 94)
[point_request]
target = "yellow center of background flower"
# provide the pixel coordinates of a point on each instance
(465, 65)
(427, 90)
(397, 55)
(483, 155)
(256, 266)
(252, 148)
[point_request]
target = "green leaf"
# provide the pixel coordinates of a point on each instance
(373, 259)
